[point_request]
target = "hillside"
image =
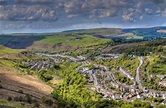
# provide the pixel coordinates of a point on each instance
(86, 68)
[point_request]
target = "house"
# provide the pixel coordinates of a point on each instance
(133, 90)
(125, 89)
(91, 80)
(164, 96)
(117, 97)
(91, 71)
(146, 90)
(164, 102)
(80, 69)
(163, 83)
(161, 77)
(139, 97)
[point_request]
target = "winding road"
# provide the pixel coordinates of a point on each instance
(138, 72)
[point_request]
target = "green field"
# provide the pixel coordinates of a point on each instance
(7, 104)
(5, 50)
(74, 43)
(82, 40)
(157, 65)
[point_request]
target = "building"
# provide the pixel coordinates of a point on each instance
(162, 83)
(164, 102)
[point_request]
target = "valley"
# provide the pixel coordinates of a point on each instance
(83, 69)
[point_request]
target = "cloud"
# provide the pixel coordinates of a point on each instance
(27, 13)
(35, 2)
(52, 10)
(3, 2)
(94, 8)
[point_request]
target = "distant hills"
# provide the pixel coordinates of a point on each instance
(133, 33)
(24, 40)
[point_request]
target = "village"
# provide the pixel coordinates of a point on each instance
(103, 79)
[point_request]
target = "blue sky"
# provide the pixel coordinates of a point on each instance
(59, 15)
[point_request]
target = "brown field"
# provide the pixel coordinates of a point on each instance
(12, 82)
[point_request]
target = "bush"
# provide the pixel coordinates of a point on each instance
(160, 106)
(16, 98)
(28, 99)
(36, 105)
(43, 99)
(45, 76)
(20, 91)
(49, 102)
(9, 98)
(57, 67)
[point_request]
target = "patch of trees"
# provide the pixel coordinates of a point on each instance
(48, 102)
(153, 84)
(57, 67)
(155, 99)
(45, 75)
(73, 89)
(160, 106)
(72, 93)
(143, 48)
(123, 79)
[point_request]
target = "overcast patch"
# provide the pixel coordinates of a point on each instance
(59, 10)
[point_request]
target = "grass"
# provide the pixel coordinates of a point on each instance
(157, 65)
(131, 36)
(10, 104)
(5, 50)
(120, 77)
(8, 65)
(144, 70)
(85, 40)
(76, 43)
(130, 63)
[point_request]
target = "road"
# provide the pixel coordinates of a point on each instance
(126, 74)
(138, 72)
(58, 55)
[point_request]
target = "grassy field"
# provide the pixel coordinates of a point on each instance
(131, 36)
(83, 40)
(7, 104)
(121, 78)
(157, 65)
(71, 43)
(5, 50)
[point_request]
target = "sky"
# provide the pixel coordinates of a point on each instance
(27, 16)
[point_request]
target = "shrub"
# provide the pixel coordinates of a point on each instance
(36, 105)
(16, 98)
(9, 98)
(49, 102)
(28, 98)
(20, 91)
